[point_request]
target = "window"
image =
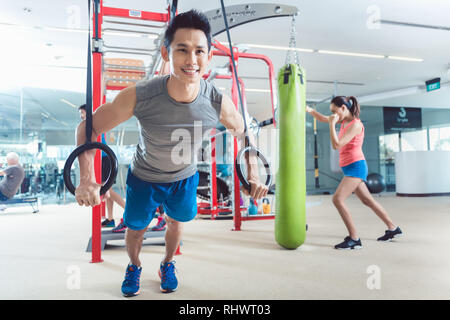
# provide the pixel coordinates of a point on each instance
(388, 146)
(440, 139)
(414, 141)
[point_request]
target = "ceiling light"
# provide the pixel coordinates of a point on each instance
(341, 53)
(257, 90)
(68, 102)
(46, 28)
(60, 29)
(353, 54)
(417, 25)
(263, 46)
(405, 59)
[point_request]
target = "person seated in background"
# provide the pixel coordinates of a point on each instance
(106, 168)
(13, 178)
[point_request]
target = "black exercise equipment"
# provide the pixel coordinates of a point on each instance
(88, 145)
(248, 148)
(32, 201)
(375, 183)
(222, 192)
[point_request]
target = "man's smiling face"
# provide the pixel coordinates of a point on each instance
(188, 55)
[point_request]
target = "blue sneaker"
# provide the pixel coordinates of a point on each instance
(121, 227)
(108, 223)
(389, 235)
(161, 225)
(169, 282)
(130, 286)
(349, 243)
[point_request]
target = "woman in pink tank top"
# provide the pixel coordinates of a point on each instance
(349, 141)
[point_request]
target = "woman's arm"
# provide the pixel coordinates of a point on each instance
(317, 114)
(352, 131)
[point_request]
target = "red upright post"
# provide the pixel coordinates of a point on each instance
(103, 203)
(214, 210)
(237, 193)
(97, 96)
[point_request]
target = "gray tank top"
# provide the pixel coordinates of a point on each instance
(14, 176)
(171, 132)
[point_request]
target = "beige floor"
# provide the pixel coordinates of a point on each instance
(42, 254)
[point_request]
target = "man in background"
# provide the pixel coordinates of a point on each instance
(13, 178)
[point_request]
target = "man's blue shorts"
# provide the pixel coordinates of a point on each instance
(178, 198)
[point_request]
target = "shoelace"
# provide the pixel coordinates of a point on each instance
(168, 272)
(132, 276)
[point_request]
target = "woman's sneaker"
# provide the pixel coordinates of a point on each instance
(130, 286)
(160, 225)
(389, 235)
(169, 282)
(349, 243)
(108, 223)
(121, 227)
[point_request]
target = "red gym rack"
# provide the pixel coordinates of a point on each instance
(214, 211)
(99, 96)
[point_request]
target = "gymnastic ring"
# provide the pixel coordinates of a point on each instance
(239, 167)
(79, 150)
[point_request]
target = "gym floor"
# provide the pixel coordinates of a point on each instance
(43, 256)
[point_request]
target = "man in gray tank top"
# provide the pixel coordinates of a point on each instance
(13, 177)
(174, 113)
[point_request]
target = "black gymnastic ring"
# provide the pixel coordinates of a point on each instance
(239, 159)
(79, 150)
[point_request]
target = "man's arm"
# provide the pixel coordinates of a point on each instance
(104, 119)
(233, 121)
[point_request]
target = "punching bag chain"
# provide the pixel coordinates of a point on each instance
(292, 44)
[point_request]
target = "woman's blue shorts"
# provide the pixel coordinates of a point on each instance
(356, 169)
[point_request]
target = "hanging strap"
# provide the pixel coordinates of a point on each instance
(248, 148)
(225, 20)
(88, 143)
(89, 83)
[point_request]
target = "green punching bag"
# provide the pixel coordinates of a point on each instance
(290, 194)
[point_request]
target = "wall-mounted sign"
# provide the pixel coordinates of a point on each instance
(401, 119)
(433, 84)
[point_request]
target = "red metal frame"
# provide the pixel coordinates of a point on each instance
(135, 14)
(224, 51)
(98, 95)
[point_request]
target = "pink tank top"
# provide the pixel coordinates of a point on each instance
(352, 151)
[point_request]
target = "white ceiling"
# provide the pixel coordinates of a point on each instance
(56, 60)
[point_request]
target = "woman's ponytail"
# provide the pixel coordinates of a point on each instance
(354, 106)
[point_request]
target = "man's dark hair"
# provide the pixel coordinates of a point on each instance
(191, 19)
(82, 107)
